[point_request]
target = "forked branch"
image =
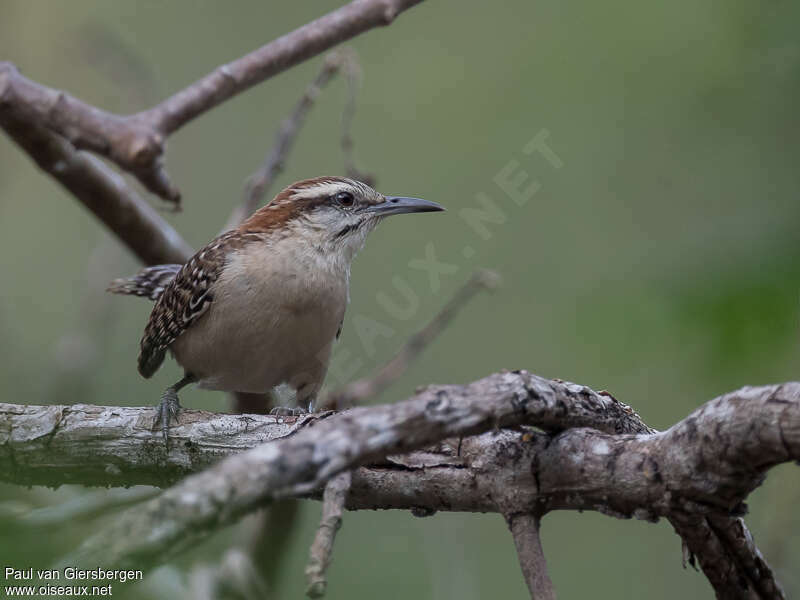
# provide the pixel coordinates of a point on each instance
(596, 455)
(137, 142)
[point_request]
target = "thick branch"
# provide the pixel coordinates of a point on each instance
(105, 193)
(52, 445)
(699, 471)
(115, 446)
(131, 142)
(304, 461)
(137, 142)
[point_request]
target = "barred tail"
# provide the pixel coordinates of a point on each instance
(150, 282)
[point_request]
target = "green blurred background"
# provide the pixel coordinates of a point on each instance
(659, 262)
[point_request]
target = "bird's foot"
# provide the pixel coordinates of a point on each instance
(288, 411)
(166, 412)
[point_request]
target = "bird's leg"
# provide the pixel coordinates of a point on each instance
(306, 394)
(167, 410)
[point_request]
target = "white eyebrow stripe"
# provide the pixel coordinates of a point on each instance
(327, 188)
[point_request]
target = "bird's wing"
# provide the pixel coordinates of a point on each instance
(186, 298)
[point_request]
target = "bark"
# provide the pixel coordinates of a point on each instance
(137, 142)
(115, 445)
(525, 530)
(595, 454)
(333, 504)
(458, 448)
(102, 191)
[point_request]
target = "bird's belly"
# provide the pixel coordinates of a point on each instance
(245, 346)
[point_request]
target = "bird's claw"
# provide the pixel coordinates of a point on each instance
(167, 411)
(288, 411)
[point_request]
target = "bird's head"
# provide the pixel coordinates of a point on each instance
(332, 213)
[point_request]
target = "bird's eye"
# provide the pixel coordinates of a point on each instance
(344, 199)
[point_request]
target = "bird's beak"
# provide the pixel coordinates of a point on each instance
(396, 205)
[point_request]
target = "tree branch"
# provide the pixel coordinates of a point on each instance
(352, 72)
(137, 142)
(306, 460)
(333, 502)
(357, 391)
(279, 55)
(233, 576)
(698, 471)
(105, 193)
(728, 555)
(525, 530)
(697, 474)
(260, 181)
(96, 445)
(131, 142)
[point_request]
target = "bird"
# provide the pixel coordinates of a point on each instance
(262, 304)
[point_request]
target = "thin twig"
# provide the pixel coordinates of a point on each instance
(272, 533)
(367, 387)
(525, 530)
(84, 506)
(301, 44)
(352, 72)
(233, 577)
(258, 183)
(137, 142)
(333, 502)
